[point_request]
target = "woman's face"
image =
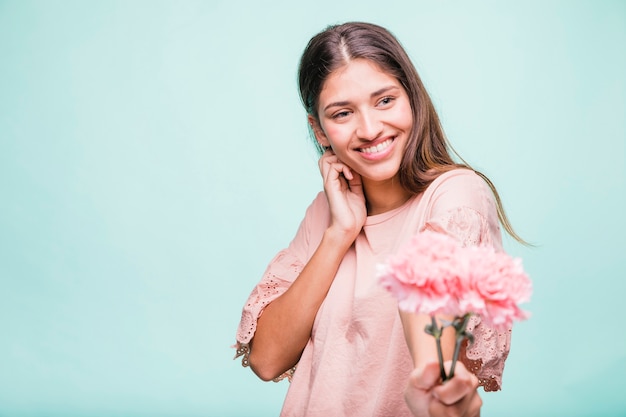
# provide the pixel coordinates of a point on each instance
(365, 117)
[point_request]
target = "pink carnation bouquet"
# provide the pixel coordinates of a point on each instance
(433, 274)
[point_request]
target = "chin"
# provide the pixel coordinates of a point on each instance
(380, 176)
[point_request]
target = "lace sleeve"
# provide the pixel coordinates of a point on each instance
(486, 356)
(464, 224)
(279, 275)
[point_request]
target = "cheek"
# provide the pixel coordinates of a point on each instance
(337, 134)
(405, 117)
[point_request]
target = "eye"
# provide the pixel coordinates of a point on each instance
(385, 101)
(341, 114)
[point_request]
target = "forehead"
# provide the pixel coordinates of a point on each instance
(354, 79)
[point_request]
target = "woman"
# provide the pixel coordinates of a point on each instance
(318, 315)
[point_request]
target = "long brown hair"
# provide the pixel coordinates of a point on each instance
(428, 153)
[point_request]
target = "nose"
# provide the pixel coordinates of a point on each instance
(369, 126)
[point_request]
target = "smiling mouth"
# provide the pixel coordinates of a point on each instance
(378, 148)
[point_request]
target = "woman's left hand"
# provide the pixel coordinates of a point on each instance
(458, 397)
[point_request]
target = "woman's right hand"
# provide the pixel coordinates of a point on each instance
(344, 192)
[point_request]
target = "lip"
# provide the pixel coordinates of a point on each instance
(378, 155)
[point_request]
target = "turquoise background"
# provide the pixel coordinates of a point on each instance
(154, 157)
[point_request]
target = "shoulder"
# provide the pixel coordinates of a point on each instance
(317, 216)
(461, 188)
(460, 203)
(460, 179)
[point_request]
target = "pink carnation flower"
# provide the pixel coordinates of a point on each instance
(434, 275)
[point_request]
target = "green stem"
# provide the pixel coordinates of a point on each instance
(437, 335)
(460, 336)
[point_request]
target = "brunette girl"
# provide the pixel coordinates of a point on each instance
(318, 315)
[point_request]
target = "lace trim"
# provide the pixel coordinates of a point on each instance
(288, 375)
(465, 224)
(279, 275)
(243, 349)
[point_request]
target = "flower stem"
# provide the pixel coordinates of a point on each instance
(460, 336)
(437, 334)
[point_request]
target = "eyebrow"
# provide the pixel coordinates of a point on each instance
(374, 94)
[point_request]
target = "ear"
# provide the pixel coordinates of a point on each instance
(320, 136)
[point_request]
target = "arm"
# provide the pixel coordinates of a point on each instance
(461, 206)
(422, 345)
(284, 328)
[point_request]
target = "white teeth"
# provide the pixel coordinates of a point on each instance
(378, 148)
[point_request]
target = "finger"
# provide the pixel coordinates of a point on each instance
(327, 159)
(333, 176)
(425, 377)
(325, 163)
(347, 172)
(324, 159)
(356, 184)
(330, 163)
(463, 384)
(417, 393)
(469, 407)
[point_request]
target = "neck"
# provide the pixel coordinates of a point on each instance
(384, 196)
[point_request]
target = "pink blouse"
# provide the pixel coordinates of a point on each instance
(356, 362)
